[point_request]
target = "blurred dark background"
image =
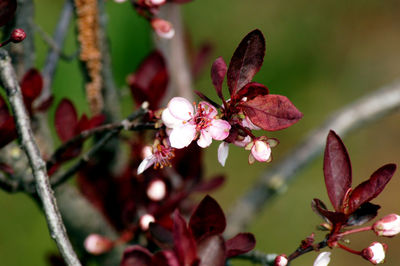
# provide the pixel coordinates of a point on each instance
(320, 54)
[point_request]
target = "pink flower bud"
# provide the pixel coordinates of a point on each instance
(281, 260)
(156, 190)
(17, 35)
(387, 226)
(261, 151)
(97, 244)
(163, 28)
(323, 259)
(375, 253)
(145, 221)
(154, 2)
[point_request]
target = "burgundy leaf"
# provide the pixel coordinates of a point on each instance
(207, 219)
(8, 131)
(161, 236)
(218, 72)
(7, 10)
(136, 256)
(150, 81)
(6, 168)
(211, 251)
(371, 188)
(31, 84)
(365, 213)
(334, 217)
(165, 258)
(66, 120)
(271, 112)
(209, 185)
(337, 170)
(95, 121)
(185, 246)
(205, 98)
(44, 105)
(251, 90)
(241, 243)
(246, 61)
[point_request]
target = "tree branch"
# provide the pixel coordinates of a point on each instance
(53, 217)
(360, 113)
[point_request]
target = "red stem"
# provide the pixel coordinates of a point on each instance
(349, 249)
(363, 229)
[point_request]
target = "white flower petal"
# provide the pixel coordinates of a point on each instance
(182, 136)
(181, 108)
(219, 129)
(223, 151)
(169, 120)
(261, 151)
(205, 139)
(145, 164)
(323, 259)
(210, 110)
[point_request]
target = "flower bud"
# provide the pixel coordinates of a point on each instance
(97, 244)
(156, 190)
(154, 2)
(323, 259)
(281, 260)
(387, 226)
(163, 28)
(261, 151)
(17, 35)
(375, 253)
(145, 221)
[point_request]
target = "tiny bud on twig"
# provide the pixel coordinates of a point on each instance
(17, 35)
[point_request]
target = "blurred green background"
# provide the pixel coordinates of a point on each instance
(321, 54)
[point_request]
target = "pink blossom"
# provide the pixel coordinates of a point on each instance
(388, 225)
(323, 259)
(260, 151)
(159, 155)
(187, 123)
(281, 260)
(375, 253)
(163, 28)
(156, 190)
(223, 151)
(145, 221)
(97, 244)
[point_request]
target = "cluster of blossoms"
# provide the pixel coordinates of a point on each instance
(352, 207)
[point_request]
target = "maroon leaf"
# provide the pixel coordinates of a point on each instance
(161, 236)
(337, 170)
(136, 256)
(66, 120)
(31, 84)
(371, 188)
(165, 258)
(271, 112)
(45, 104)
(8, 131)
(211, 251)
(6, 168)
(86, 124)
(218, 72)
(365, 213)
(205, 98)
(208, 219)
(334, 217)
(150, 81)
(185, 246)
(7, 10)
(209, 185)
(251, 90)
(241, 243)
(246, 61)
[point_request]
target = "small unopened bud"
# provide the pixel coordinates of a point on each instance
(261, 151)
(145, 221)
(387, 226)
(375, 253)
(281, 260)
(97, 244)
(323, 259)
(163, 28)
(17, 35)
(155, 2)
(156, 190)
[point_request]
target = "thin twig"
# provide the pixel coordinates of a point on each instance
(59, 179)
(53, 217)
(359, 113)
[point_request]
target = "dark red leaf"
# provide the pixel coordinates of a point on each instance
(246, 61)
(205, 98)
(211, 251)
(185, 246)
(95, 121)
(161, 236)
(337, 170)
(6, 168)
(241, 243)
(334, 217)
(218, 72)
(371, 188)
(8, 131)
(136, 256)
(209, 185)
(251, 90)
(365, 213)
(150, 81)
(66, 120)
(271, 112)
(44, 105)
(165, 258)
(7, 10)
(208, 219)
(31, 84)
